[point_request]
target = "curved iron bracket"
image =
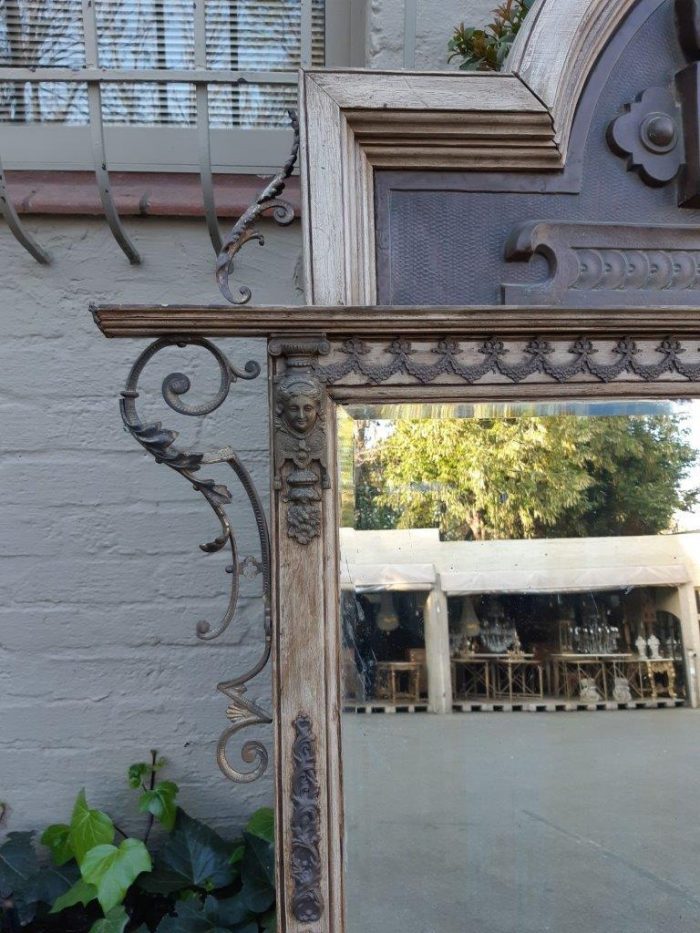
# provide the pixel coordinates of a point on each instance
(160, 443)
(244, 229)
(17, 227)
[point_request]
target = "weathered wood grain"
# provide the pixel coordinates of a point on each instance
(379, 321)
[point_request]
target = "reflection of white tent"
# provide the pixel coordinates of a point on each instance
(416, 559)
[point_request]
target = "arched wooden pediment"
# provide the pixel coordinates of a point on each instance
(418, 185)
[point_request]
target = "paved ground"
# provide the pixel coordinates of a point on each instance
(523, 822)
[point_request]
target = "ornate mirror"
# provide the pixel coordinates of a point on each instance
(484, 548)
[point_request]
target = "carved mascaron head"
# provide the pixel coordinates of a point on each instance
(299, 402)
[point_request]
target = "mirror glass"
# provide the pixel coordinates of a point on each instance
(519, 642)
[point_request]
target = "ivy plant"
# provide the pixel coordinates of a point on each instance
(485, 49)
(100, 880)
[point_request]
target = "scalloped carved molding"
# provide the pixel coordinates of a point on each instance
(593, 264)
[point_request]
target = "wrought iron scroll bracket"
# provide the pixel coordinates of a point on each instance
(244, 229)
(300, 459)
(160, 443)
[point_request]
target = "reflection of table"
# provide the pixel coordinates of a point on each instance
(592, 677)
(642, 674)
(497, 676)
(471, 677)
(518, 678)
(399, 680)
(587, 677)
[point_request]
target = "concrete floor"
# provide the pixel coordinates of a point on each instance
(523, 822)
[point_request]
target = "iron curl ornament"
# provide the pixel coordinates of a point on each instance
(244, 229)
(159, 441)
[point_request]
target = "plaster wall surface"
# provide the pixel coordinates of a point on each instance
(434, 25)
(101, 578)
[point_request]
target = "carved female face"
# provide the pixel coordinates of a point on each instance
(300, 412)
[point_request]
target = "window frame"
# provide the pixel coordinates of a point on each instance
(158, 148)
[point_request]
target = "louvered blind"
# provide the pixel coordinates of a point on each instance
(263, 37)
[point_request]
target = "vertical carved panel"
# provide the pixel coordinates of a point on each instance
(307, 900)
(306, 633)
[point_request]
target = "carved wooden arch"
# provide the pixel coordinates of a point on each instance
(519, 120)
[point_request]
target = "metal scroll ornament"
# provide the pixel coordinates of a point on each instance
(244, 229)
(160, 443)
(301, 471)
(307, 900)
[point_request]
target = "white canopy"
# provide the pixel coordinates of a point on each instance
(583, 579)
(368, 577)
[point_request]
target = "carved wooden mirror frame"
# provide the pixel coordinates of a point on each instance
(344, 348)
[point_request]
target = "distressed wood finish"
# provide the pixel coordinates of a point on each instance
(355, 121)
(556, 50)
(352, 123)
(305, 680)
(379, 321)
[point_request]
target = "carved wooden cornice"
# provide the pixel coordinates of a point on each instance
(379, 321)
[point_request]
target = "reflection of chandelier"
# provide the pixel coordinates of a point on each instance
(469, 621)
(387, 618)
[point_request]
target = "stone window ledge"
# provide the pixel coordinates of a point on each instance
(145, 194)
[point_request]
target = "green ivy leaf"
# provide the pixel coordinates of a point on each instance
(57, 838)
(88, 828)
(189, 917)
(237, 854)
(137, 773)
(193, 856)
(18, 863)
(52, 882)
(113, 870)
(258, 874)
(114, 921)
(262, 824)
(161, 803)
(80, 893)
(269, 922)
(232, 910)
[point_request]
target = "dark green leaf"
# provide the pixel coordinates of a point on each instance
(191, 917)
(193, 856)
(113, 870)
(232, 910)
(57, 839)
(237, 854)
(114, 921)
(80, 893)
(262, 824)
(161, 803)
(52, 882)
(269, 922)
(258, 874)
(88, 828)
(18, 862)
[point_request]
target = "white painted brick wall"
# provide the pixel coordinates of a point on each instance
(101, 579)
(435, 24)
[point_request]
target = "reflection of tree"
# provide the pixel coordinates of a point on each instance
(527, 477)
(39, 35)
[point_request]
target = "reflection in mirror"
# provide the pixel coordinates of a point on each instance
(501, 561)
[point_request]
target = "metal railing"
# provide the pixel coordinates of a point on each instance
(95, 77)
